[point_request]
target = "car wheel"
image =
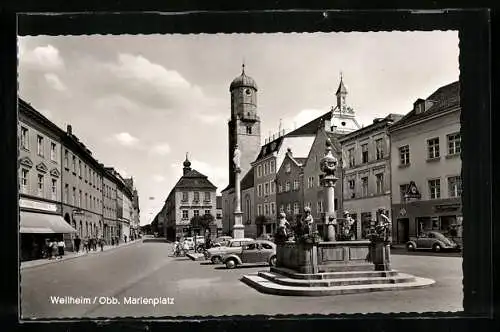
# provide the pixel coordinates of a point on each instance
(230, 264)
(436, 247)
(272, 261)
(410, 247)
(216, 260)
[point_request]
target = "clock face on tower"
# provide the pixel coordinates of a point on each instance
(248, 92)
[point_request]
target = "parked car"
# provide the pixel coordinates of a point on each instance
(267, 237)
(432, 240)
(257, 251)
(221, 241)
(234, 245)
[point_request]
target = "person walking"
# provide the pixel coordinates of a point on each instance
(77, 243)
(60, 248)
(53, 249)
(125, 238)
(86, 244)
(101, 243)
(94, 243)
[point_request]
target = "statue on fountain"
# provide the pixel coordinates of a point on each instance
(346, 229)
(304, 231)
(282, 234)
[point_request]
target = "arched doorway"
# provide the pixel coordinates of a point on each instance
(86, 228)
(81, 229)
(101, 233)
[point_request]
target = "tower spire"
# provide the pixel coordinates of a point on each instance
(243, 67)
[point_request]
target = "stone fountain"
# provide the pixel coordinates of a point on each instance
(310, 265)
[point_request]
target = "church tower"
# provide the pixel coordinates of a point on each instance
(244, 125)
(343, 118)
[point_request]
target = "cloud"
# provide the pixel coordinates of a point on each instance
(158, 178)
(126, 139)
(54, 82)
(160, 149)
(46, 58)
(301, 118)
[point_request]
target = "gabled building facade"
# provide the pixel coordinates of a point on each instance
(193, 195)
(289, 183)
(426, 167)
(367, 172)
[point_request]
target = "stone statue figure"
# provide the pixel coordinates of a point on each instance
(283, 225)
(347, 231)
(236, 157)
(328, 163)
(308, 221)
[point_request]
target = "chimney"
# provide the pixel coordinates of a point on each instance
(69, 130)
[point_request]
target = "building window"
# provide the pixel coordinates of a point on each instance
(435, 189)
(219, 215)
(266, 209)
(280, 187)
(273, 187)
(53, 152)
(207, 212)
(80, 198)
(288, 168)
(259, 209)
(196, 196)
(248, 208)
(196, 213)
(273, 208)
(259, 171)
(259, 190)
(184, 196)
(289, 208)
(266, 168)
(319, 179)
(66, 193)
(40, 184)
(455, 186)
(74, 164)
(319, 206)
(80, 168)
(295, 184)
(380, 183)
(86, 202)
(433, 148)
(379, 145)
(352, 184)
(25, 138)
(296, 208)
(310, 182)
(403, 189)
(54, 189)
(24, 180)
(404, 155)
(249, 130)
(352, 188)
(364, 186)
(66, 158)
(364, 153)
(185, 214)
(350, 154)
(282, 208)
(39, 141)
(454, 144)
(266, 189)
(273, 166)
(287, 186)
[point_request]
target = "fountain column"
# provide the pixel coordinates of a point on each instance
(328, 165)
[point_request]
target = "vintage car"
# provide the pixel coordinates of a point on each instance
(257, 251)
(432, 240)
(221, 241)
(234, 245)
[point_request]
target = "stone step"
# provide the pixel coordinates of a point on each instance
(332, 275)
(283, 280)
(266, 286)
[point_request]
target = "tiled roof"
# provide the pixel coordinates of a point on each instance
(311, 128)
(194, 179)
(300, 160)
(269, 148)
(247, 181)
(445, 97)
(379, 123)
(300, 146)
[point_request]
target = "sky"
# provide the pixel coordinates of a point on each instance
(141, 102)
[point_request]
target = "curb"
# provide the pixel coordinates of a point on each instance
(54, 261)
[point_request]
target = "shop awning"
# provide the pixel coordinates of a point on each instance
(43, 223)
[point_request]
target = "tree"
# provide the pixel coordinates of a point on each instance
(202, 222)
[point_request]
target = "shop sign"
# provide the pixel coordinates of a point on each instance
(29, 204)
(412, 191)
(402, 212)
(447, 207)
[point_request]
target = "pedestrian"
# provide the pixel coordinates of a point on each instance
(125, 238)
(77, 243)
(101, 243)
(53, 249)
(94, 243)
(60, 248)
(112, 240)
(86, 244)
